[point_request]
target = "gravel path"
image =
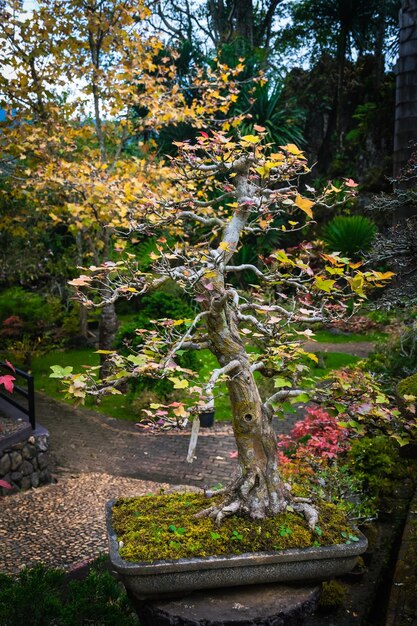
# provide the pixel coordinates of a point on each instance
(63, 524)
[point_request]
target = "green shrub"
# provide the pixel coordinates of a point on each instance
(98, 599)
(408, 386)
(165, 303)
(349, 234)
(396, 359)
(33, 598)
(31, 307)
(168, 303)
(376, 463)
(40, 596)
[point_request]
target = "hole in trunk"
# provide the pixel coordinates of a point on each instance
(248, 417)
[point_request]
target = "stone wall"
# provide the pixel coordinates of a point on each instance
(25, 464)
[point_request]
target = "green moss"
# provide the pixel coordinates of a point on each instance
(165, 527)
(333, 594)
(408, 386)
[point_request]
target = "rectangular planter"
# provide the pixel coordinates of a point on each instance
(169, 578)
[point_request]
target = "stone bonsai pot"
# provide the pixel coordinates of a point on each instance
(169, 578)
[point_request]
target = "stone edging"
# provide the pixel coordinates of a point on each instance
(25, 464)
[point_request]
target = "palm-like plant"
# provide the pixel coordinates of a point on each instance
(283, 120)
(351, 235)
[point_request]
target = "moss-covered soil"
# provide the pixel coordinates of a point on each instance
(164, 527)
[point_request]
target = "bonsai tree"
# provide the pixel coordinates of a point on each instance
(223, 188)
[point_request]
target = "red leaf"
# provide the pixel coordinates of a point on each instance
(7, 381)
(10, 365)
(203, 134)
(5, 484)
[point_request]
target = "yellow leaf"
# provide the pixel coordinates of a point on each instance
(178, 383)
(324, 285)
(249, 139)
(305, 205)
(180, 411)
(384, 275)
(357, 284)
(292, 149)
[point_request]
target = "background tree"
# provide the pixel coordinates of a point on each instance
(405, 136)
(345, 44)
(76, 153)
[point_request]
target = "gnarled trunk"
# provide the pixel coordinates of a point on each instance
(258, 491)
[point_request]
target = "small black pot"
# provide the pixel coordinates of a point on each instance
(206, 419)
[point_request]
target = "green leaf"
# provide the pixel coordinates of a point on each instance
(282, 382)
(303, 397)
(60, 372)
(137, 359)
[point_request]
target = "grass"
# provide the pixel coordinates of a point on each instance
(329, 361)
(114, 406)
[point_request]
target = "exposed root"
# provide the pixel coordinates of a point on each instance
(309, 512)
(251, 496)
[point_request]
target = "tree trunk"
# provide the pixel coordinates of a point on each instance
(106, 334)
(258, 491)
(82, 312)
(83, 321)
(244, 22)
(405, 133)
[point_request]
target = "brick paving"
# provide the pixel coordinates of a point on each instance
(82, 440)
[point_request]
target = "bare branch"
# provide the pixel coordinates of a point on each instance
(251, 319)
(200, 218)
(283, 395)
(213, 379)
(181, 342)
(246, 266)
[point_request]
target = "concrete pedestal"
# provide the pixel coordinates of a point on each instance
(252, 605)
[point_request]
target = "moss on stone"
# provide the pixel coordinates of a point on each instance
(164, 527)
(408, 386)
(333, 594)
